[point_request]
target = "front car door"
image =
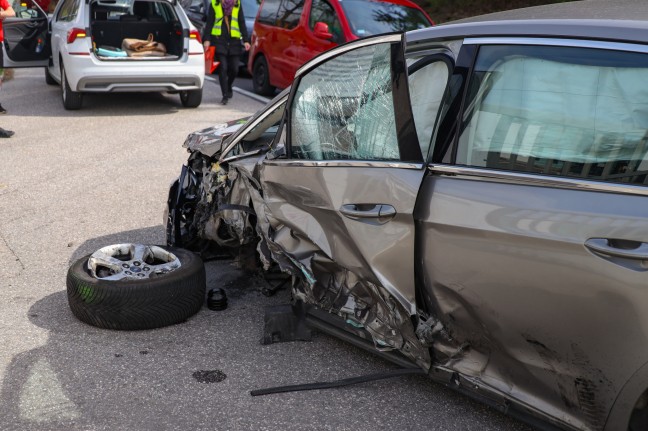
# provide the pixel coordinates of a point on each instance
(533, 227)
(341, 204)
(26, 39)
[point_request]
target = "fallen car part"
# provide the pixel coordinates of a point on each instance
(134, 286)
(284, 323)
(217, 299)
(338, 383)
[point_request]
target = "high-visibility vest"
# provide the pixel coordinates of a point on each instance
(218, 22)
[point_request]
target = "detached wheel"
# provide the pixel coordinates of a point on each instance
(191, 98)
(261, 77)
(71, 99)
(134, 286)
(48, 78)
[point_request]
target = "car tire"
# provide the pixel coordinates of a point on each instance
(48, 78)
(191, 98)
(261, 77)
(71, 99)
(132, 304)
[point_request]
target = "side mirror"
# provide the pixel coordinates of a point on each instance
(321, 30)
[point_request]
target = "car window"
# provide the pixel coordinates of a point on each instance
(344, 109)
(367, 17)
(250, 7)
(68, 10)
(27, 9)
(322, 11)
(289, 13)
(427, 80)
(268, 12)
(260, 136)
(573, 112)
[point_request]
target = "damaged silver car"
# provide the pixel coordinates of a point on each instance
(469, 199)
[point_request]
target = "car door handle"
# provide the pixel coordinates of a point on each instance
(619, 248)
(380, 213)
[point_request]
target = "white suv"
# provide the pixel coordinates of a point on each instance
(67, 43)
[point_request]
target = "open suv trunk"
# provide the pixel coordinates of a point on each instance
(113, 21)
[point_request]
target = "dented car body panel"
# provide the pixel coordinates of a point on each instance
(475, 202)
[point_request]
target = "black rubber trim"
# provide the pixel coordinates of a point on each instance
(337, 383)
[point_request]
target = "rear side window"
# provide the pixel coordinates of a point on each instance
(268, 12)
(289, 13)
(572, 112)
(68, 10)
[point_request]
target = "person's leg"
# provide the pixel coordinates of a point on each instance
(2, 110)
(222, 75)
(4, 133)
(232, 71)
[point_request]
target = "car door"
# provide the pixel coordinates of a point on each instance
(288, 35)
(533, 227)
(341, 203)
(26, 40)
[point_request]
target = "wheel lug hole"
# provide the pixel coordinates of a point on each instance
(146, 268)
(125, 265)
(136, 263)
(140, 275)
(128, 273)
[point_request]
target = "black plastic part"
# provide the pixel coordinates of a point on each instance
(338, 383)
(284, 323)
(217, 299)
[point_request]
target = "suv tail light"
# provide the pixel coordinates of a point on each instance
(75, 33)
(195, 34)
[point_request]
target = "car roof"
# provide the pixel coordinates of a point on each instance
(620, 21)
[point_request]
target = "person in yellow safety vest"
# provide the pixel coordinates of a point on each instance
(225, 29)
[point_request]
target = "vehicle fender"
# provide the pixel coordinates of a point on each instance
(619, 416)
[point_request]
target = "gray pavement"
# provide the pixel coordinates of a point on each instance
(71, 182)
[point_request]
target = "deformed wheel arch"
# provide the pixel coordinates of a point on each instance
(623, 406)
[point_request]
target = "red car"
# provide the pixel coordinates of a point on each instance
(288, 33)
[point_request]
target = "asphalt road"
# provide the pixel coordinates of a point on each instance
(71, 182)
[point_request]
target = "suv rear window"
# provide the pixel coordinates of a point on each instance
(573, 112)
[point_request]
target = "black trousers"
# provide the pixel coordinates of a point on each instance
(227, 71)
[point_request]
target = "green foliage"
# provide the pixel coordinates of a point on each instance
(448, 10)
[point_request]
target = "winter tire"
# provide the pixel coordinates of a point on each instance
(261, 78)
(134, 286)
(71, 99)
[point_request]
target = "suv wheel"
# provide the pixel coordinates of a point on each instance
(261, 78)
(71, 99)
(191, 98)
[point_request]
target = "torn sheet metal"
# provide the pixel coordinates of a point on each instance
(231, 211)
(210, 141)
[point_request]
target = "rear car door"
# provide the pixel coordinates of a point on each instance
(341, 203)
(534, 228)
(26, 39)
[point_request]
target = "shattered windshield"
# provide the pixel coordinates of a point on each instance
(369, 17)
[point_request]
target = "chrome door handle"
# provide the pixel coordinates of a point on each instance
(619, 248)
(378, 213)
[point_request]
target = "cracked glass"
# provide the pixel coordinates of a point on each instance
(344, 109)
